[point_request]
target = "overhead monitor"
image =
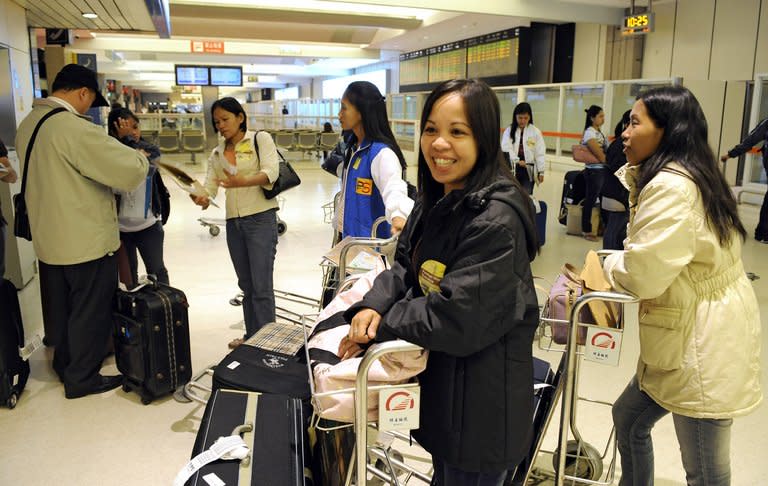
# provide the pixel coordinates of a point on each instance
(226, 76)
(191, 75)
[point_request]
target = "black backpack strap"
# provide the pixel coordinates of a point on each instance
(31, 143)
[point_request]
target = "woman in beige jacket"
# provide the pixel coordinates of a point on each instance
(699, 319)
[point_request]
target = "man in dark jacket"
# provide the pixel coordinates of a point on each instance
(759, 134)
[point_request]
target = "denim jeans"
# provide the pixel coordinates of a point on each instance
(615, 230)
(3, 234)
(594, 178)
(447, 475)
(149, 243)
(704, 443)
(252, 243)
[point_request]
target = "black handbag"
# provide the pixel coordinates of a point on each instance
(21, 226)
(286, 178)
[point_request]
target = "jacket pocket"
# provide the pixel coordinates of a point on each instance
(661, 337)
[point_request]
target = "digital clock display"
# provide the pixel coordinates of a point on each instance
(637, 24)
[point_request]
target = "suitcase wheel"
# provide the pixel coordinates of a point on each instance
(214, 230)
(12, 400)
(282, 227)
(146, 400)
(126, 388)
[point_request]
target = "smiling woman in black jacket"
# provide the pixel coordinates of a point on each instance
(461, 287)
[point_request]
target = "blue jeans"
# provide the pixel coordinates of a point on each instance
(594, 178)
(447, 475)
(252, 243)
(3, 234)
(149, 243)
(704, 443)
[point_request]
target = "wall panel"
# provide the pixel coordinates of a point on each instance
(735, 33)
(657, 53)
(693, 39)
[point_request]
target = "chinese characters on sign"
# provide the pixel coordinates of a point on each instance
(204, 46)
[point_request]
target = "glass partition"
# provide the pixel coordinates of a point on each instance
(624, 96)
(545, 104)
(508, 101)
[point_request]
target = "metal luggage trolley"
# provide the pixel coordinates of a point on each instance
(390, 462)
(582, 463)
(214, 225)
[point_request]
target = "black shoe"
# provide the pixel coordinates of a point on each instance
(102, 384)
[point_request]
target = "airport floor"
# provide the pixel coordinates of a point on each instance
(112, 439)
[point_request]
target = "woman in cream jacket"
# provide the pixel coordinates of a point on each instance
(528, 163)
(699, 318)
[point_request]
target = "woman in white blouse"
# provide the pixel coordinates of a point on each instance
(594, 175)
(526, 157)
(243, 163)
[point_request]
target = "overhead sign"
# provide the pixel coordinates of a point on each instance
(637, 24)
(58, 37)
(207, 47)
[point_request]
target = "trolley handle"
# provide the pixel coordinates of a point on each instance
(367, 242)
(570, 360)
(361, 400)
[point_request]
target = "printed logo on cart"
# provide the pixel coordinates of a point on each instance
(399, 401)
(273, 361)
(364, 186)
(399, 408)
(603, 345)
(603, 340)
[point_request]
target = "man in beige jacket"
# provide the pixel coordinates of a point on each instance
(73, 167)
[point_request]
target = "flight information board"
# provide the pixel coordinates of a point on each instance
(493, 54)
(414, 67)
(447, 61)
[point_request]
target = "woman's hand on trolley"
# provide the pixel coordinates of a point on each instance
(397, 225)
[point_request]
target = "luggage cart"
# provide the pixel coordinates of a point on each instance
(389, 460)
(214, 225)
(582, 463)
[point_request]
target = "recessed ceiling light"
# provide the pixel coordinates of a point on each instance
(90, 15)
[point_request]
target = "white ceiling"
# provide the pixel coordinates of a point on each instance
(290, 41)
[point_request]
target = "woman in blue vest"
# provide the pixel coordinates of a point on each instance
(372, 181)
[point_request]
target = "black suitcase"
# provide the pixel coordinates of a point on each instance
(278, 443)
(14, 371)
(253, 369)
(545, 382)
(574, 190)
(152, 340)
(541, 222)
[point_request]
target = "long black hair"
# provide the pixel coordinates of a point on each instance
(591, 112)
(677, 111)
(483, 114)
(367, 99)
(233, 106)
(520, 109)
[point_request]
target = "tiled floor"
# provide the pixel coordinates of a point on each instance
(112, 439)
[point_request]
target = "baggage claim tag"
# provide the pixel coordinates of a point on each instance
(603, 345)
(399, 407)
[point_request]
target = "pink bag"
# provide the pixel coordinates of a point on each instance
(562, 296)
(581, 153)
(330, 374)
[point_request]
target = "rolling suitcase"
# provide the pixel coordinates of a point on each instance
(14, 370)
(544, 385)
(541, 220)
(574, 190)
(151, 337)
(274, 431)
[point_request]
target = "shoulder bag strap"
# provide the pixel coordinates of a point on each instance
(31, 143)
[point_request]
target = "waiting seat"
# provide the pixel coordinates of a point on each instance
(168, 141)
(328, 140)
(307, 142)
(193, 141)
(285, 140)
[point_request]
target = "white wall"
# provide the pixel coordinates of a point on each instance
(589, 52)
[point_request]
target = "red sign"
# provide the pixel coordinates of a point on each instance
(204, 46)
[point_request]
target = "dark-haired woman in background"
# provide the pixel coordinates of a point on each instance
(140, 214)
(594, 175)
(524, 148)
(461, 287)
(699, 318)
(243, 163)
(614, 196)
(372, 181)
